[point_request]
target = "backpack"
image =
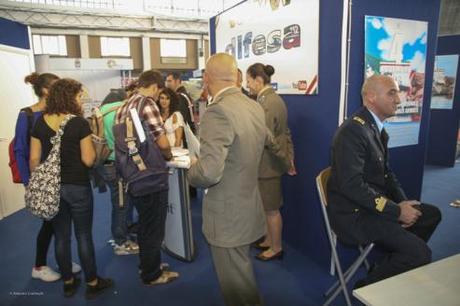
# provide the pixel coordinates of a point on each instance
(12, 162)
(140, 166)
(43, 192)
(99, 141)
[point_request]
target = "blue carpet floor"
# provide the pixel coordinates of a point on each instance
(441, 186)
(296, 280)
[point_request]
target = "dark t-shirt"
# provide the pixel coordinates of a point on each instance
(73, 171)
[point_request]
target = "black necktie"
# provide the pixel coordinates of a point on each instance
(384, 138)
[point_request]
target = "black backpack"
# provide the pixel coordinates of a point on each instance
(141, 166)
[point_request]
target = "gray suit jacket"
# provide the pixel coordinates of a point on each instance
(276, 120)
(232, 138)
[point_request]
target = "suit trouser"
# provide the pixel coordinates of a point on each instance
(236, 275)
(405, 249)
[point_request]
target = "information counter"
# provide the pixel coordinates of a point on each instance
(178, 240)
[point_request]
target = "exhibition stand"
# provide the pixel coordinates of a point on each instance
(178, 240)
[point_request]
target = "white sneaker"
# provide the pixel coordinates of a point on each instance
(45, 273)
(75, 268)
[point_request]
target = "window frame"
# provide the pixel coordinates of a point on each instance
(111, 42)
(61, 45)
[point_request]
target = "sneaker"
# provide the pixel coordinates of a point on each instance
(165, 277)
(75, 268)
(45, 273)
(102, 284)
(71, 289)
(127, 248)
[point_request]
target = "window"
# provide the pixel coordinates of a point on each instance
(173, 48)
(50, 44)
(75, 3)
(115, 46)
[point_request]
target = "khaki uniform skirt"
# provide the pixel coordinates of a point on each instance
(270, 191)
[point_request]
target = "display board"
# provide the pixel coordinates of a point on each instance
(283, 34)
(397, 47)
(444, 78)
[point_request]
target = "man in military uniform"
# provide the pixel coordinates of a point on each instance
(366, 201)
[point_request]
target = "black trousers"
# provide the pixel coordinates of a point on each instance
(405, 248)
(152, 209)
(43, 243)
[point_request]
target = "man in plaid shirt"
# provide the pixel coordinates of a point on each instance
(152, 207)
(150, 112)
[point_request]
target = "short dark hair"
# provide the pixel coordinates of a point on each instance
(261, 70)
(175, 75)
(40, 81)
(150, 77)
(131, 86)
(62, 98)
(115, 95)
(173, 100)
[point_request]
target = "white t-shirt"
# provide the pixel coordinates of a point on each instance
(171, 127)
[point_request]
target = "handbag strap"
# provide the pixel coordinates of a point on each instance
(56, 139)
(189, 105)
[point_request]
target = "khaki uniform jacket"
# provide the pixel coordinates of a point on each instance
(276, 121)
(232, 138)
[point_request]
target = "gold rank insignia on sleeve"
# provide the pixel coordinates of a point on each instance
(380, 203)
(360, 120)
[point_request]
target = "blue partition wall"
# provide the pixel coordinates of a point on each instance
(13, 34)
(313, 119)
(444, 123)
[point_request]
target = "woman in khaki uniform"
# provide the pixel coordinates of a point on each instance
(271, 168)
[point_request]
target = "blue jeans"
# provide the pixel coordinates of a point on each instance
(119, 214)
(76, 205)
(152, 209)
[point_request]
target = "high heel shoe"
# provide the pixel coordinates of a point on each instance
(278, 255)
(260, 247)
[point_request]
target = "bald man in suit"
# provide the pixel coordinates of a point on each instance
(232, 137)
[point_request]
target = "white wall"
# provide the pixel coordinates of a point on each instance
(97, 82)
(14, 94)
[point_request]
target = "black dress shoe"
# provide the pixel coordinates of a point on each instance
(94, 290)
(278, 256)
(71, 288)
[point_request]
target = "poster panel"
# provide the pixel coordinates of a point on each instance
(444, 78)
(397, 47)
(284, 34)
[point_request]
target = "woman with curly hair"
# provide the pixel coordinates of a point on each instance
(168, 104)
(27, 117)
(76, 203)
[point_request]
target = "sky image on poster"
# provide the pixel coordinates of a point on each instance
(283, 34)
(397, 47)
(444, 78)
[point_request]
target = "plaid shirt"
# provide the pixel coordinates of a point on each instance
(149, 114)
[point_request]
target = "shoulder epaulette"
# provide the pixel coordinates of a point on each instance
(359, 119)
